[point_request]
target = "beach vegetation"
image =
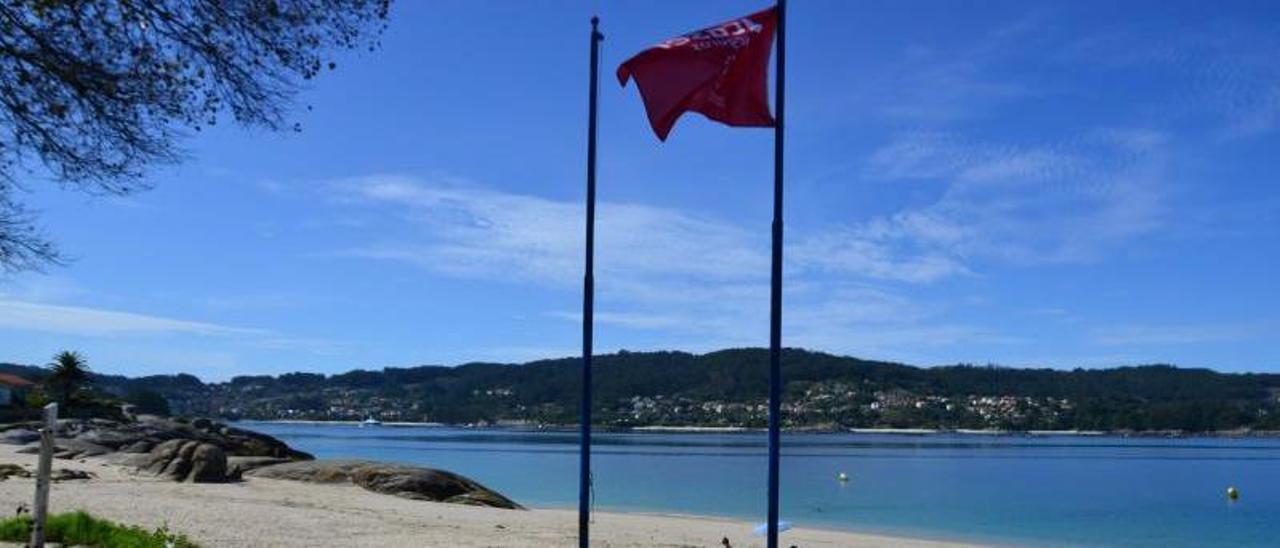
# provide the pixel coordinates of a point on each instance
(148, 401)
(68, 373)
(81, 529)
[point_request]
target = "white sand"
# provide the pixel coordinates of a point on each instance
(263, 512)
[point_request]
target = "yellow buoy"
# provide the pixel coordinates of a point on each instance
(842, 477)
(1232, 493)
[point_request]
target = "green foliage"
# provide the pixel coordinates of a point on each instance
(729, 387)
(36, 400)
(97, 92)
(148, 402)
(16, 529)
(67, 374)
(82, 529)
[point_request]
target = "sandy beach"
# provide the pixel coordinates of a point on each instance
(264, 512)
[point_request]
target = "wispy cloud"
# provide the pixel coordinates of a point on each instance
(884, 248)
(76, 320)
(702, 282)
(935, 155)
(1055, 202)
(931, 85)
(38, 288)
(261, 301)
(1066, 188)
(1226, 72)
(479, 232)
(1223, 72)
(486, 233)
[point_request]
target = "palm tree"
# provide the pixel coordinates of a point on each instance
(68, 372)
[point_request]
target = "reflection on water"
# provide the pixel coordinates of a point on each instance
(1052, 490)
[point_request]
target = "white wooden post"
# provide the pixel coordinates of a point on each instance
(41, 509)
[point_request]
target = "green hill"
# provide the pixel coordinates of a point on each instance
(729, 387)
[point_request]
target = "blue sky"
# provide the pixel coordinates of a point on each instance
(1039, 184)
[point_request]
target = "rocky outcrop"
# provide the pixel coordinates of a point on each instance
(19, 436)
(148, 432)
(187, 460)
(58, 474)
(140, 446)
(67, 474)
(198, 451)
(205, 451)
(238, 466)
(392, 479)
(71, 449)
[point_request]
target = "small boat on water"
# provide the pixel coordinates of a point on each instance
(370, 421)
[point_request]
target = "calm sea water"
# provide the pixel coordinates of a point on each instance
(1008, 489)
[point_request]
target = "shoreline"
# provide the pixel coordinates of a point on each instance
(887, 535)
(267, 512)
(693, 429)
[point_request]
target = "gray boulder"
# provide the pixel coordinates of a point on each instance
(149, 431)
(140, 446)
(66, 474)
(393, 479)
(58, 474)
(70, 449)
(238, 466)
(187, 460)
(19, 436)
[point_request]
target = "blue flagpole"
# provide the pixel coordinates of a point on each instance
(775, 290)
(588, 298)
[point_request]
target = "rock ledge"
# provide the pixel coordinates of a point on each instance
(393, 479)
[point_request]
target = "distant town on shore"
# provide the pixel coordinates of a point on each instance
(727, 389)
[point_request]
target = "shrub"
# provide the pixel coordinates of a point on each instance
(82, 529)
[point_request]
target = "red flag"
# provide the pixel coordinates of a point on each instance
(721, 72)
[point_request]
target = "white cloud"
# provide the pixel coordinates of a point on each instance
(701, 283)
(485, 233)
(1026, 204)
(38, 287)
(261, 301)
(935, 80)
(1226, 73)
(628, 319)
(929, 84)
(75, 320)
(1072, 194)
(880, 249)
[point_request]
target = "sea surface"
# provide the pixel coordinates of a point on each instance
(1043, 490)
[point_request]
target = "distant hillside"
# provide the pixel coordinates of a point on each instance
(729, 387)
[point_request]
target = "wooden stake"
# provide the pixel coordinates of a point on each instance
(41, 509)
